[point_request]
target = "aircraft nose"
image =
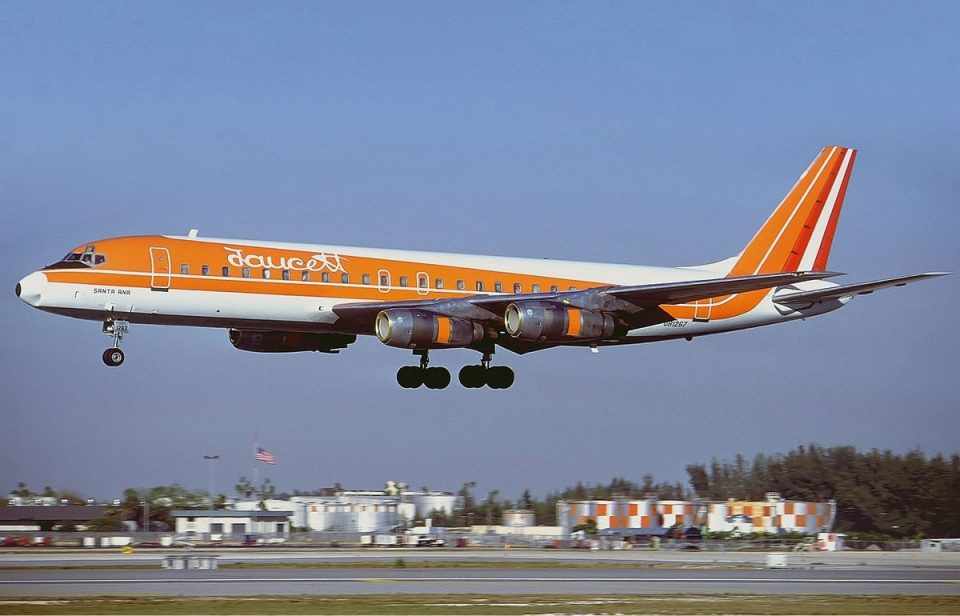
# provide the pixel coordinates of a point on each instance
(30, 289)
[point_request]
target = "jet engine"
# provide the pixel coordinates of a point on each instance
(408, 328)
(288, 342)
(541, 321)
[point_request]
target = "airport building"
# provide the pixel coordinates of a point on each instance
(363, 511)
(656, 517)
(218, 524)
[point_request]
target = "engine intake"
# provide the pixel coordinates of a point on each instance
(541, 321)
(418, 329)
(288, 342)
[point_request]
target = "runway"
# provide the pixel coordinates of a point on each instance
(357, 581)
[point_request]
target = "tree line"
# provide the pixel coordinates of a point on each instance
(877, 492)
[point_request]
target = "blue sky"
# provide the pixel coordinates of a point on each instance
(646, 133)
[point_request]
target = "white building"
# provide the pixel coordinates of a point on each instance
(231, 524)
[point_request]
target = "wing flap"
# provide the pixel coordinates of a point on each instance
(803, 298)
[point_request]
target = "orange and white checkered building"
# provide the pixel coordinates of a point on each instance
(611, 514)
(656, 516)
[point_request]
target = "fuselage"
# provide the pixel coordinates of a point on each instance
(180, 280)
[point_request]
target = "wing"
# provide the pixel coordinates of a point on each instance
(805, 298)
(637, 304)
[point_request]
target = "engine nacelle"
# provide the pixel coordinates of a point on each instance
(418, 329)
(288, 342)
(542, 321)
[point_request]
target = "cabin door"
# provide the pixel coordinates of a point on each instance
(159, 269)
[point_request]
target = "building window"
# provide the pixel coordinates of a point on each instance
(365, 279)
(184, 268)
(438, 283)
(305, 276)
(265, 273)
(285, 274)
(225, 271)
(517, 288)
(479, 285)
(245, 272)
(204, 270)
(404, 281)
(461, 285)
(345, 278)
(554, 288)
(498, 286)
(535, 288)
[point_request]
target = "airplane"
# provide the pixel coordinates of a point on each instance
(276, 297)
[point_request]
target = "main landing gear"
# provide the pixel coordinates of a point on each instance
(471, 377)
(116, 329)
(411, 377)
(498, 377)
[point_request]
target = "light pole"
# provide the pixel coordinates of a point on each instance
(211, 460)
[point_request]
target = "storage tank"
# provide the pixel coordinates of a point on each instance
(518, 517)
(427, 502)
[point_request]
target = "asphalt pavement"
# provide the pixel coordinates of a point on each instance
(300, 581)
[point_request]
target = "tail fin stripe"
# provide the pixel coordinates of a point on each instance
(820, 263)
(754, 254)
(766, 265)
(823, 198)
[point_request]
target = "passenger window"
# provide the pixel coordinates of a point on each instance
(479, 285)
(345, 278)
(438, 283)
(184, 268)
(535, 288)
(384, 280)
(265, 273)
(573, 288)
(98, 259)
(498, 286)
(325, 277)
(423, 282)
(225, 271)
(554, 288)
(305, 276)
(461, 285)
(517, 288)
(245, 272)
(204, 270)
(404, 281)
(285, 274)
(365, 279)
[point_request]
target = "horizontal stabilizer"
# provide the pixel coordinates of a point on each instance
(804, 298)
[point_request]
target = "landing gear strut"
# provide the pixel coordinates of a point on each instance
(116, 329)
(498, 377)
(411, 377)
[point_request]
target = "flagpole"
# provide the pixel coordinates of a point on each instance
(256, 469)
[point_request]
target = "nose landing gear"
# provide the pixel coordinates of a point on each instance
(113, 356)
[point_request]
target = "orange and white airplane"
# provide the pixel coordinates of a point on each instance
(283, 297)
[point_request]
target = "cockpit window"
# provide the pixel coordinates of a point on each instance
(88, 256)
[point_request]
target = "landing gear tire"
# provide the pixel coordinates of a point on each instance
(472, 377)
(436, 378)
(410, 377)
(113, 357)
(499, 377)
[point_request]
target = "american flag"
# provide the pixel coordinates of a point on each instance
(265, 456)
